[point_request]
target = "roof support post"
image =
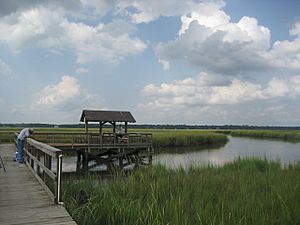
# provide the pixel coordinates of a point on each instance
(86, 127)
(126, 124)
(114, 127)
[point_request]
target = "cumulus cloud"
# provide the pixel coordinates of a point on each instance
(286, 54)
(54, 95)
(144, 11)
(38, 27)
(111, 42)
(198, 91)
(64, 96)
(149, 10)
(41, 27)
(208, 39)
(13, 6)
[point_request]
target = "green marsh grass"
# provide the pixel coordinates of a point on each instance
(249, 191)
(186, 138)
(290, 135)
(161, 137)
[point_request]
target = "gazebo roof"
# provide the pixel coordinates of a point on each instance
(106, 116)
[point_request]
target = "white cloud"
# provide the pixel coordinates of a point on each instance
(208, 14)
(64, 91)
(41, 27)
(37, 27)
(165, 64)
(286, 54)
(65, 96)
(210, 41)
(13, 6)
(283, 87)
(198, 91)
(107, 42)
(98, 8)
(149, 10)
(296, 29)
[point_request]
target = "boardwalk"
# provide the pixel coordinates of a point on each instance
(22, 198)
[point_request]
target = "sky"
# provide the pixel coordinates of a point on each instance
(208, 62)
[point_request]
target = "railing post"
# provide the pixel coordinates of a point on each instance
(58, 180)
(47, 163)
(32, 151)
(86, 157)
(38, 168)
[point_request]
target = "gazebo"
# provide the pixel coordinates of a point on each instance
(102, 117)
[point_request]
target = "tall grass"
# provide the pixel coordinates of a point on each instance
(161, 137)
(273, 134)
(247, 191)
(186, 138)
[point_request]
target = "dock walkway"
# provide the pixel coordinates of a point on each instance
(22, 199)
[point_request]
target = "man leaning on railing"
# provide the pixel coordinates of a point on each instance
(25, 133)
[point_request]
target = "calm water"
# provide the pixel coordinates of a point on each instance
(286, 152)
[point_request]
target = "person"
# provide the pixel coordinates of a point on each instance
(25, 133)
(119, 133)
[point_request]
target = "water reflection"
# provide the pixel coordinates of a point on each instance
(286, 152)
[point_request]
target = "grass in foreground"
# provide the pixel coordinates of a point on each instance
(248, 191)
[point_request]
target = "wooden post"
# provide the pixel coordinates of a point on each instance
(86, 126)
(114, 131)
(121, 153)
(38, 168)
(100, 131)
(86, 129)
(48, 164)
(33, 152)
(86, 162)
(149, 156)
(114, 127)
(79, 160)
(126, 123)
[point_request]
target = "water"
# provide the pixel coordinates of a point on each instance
(286, 152)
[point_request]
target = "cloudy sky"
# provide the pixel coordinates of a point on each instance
(166, 61)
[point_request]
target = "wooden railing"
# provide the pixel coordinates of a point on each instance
(94, 139)
(39, 157)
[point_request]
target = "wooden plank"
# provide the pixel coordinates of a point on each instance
(22, 199)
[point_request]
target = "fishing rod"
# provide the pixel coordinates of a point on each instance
(2, 163)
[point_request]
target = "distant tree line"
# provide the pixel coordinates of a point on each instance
(156, 126)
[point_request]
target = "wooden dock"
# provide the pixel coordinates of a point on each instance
(22, 199)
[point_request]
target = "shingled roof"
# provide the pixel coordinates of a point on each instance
(106, 116)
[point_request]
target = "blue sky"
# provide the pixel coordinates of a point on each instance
(168, 62)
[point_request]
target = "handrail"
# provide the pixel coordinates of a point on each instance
(39, 157)
(81, 139)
